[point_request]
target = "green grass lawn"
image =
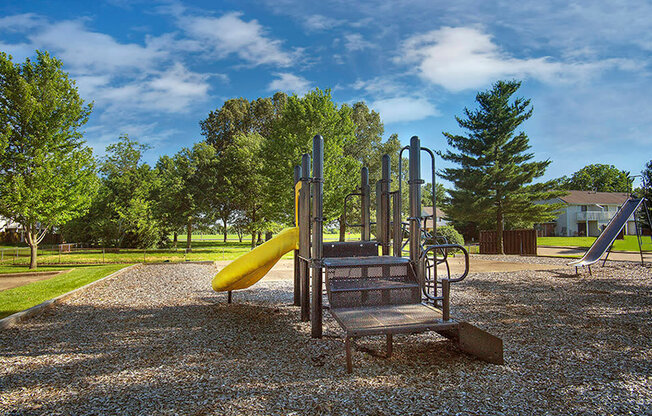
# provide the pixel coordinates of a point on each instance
(201, 251)
(630, 243)
(24, 297)
(6, 269)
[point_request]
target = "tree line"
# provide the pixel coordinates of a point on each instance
(239, 175)
(238, 178)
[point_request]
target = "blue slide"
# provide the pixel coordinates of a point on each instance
(606, 239)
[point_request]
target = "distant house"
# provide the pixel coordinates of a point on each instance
(9, 227)
(441, 217)
(585, 213)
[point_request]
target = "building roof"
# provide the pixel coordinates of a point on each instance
(428, 211)
(590, 197)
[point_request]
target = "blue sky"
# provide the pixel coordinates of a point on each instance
(154, 69)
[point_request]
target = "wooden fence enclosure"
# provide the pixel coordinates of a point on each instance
(523, 242)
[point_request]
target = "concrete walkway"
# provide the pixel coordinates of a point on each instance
(12, 280)
(551, 251)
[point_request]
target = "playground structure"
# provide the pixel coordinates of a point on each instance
(367, 293)
(605, 240)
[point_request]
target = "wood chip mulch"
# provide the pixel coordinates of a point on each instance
(158, 340)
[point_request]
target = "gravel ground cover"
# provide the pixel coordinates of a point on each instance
(157, 340)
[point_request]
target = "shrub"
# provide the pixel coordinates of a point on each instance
(451, 234)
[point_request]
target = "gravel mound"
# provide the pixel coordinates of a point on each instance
(158, 340)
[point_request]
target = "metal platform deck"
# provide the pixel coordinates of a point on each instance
(390, 319)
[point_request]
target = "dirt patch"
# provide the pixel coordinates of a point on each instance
(12, 280)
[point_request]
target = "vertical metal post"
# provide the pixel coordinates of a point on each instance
(380, 221)
(397, 238)
(638, 236)
(415, 206)
(317, 234)
(647, 214)
(297, 277)
(445, 304)
(365, 219)
(304, 237)
(384, 204)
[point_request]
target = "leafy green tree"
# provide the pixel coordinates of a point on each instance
(243, 165)
(301, 119)
(129, 189)
(369, 148)
(188, 185)
(174, 202)
(123, 213)
(494, 179)
(599, 178)
(241, 116)
(237, 117)
(202, 186)
(47, 175)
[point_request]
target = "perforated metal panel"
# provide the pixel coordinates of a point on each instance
(370, 281)
(350, 249)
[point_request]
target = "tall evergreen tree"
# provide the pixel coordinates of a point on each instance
(493, 182)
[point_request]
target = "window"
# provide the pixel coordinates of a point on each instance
(584, 208)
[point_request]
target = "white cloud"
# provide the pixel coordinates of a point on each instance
(464, 57)
(84, 50)
(117, 76)
(382, 86)
(355, 42)
(231, 35)
(289, 83)
(20, 22)
(318, 22)
(173, 91)
(401, 109)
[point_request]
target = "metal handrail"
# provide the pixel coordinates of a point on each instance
(446, 247)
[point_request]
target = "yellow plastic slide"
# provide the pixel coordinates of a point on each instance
(251, 267)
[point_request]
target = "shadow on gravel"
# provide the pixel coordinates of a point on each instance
(147, 360)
